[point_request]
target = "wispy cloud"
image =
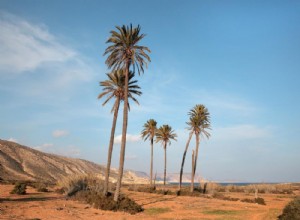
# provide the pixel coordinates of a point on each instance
(241, 132)
(59, 133)
(48, 65)
(129, 138)
(25, 46)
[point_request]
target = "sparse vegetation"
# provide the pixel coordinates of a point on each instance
(89, 188)
(19, 188)
(75, 183)
(258, 200)
(99, 201)
(222, 212)
(157, 211)
(291, 211)
(40, 187)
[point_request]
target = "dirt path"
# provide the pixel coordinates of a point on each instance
(52, 206)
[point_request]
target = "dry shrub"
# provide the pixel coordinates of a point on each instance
(40, 187)
(214, 187)
(221, 196)
(148, 189)
(89, 188)
(258, 200)
(234, 188)
(19, 188)
(291, 210)
(98, 200)
(269, 188)
(75, 183)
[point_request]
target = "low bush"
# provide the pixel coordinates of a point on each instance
(258, 200)
(75, 183)
(218, 195)
(89, 189)
(40, 187)
(291, 210)
(99, 201)
(19, 188)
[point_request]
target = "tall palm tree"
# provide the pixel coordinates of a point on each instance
(195, 124)
(125, 53)
(164, 135)
(114, 88)
(200, 121)
(149, 132)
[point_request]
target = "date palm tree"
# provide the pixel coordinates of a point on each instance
(149, 133)
(200, 122)
(164, 135)
(114, 88)
(125, 53)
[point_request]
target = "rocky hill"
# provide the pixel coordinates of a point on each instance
(18, 162)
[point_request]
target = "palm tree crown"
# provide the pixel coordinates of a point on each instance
(165, 134)
(149, 129)
(124, 49)
(115, 87)
(199, 120)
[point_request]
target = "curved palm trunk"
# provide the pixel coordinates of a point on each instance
(183, 159)
(193, 174)
(124, 131)
(111, 144)
(195, 160)
(151, 165)
(165, 169)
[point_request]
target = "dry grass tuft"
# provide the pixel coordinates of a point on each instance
(70, 185)
(89, 188)
(19, 188)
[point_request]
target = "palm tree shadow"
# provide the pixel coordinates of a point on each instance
(161, 198)
(28, 199)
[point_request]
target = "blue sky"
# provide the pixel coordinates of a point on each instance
(238, 58)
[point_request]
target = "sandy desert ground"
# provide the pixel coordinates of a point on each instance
(49, 206)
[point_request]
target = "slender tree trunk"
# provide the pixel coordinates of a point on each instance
(124, 132)
(193, 174)
(151, 165)
(196, 158)
(111, 144)
(165, 169)
(183, 159)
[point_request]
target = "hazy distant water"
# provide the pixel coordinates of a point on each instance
(223, 184)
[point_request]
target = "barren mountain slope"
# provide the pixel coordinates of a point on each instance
(19, 162)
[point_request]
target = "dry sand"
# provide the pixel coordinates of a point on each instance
(52, 206)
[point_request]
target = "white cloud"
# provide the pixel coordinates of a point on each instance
(129, 138)
(241, 132)
(13, 140)
(59, 133)
(53, 68)
(25, 46)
